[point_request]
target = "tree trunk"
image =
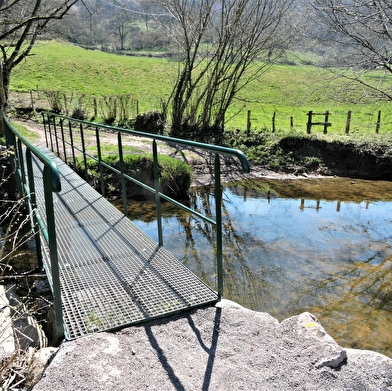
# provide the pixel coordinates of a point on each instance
(3, 95)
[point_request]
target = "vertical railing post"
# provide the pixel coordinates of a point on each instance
(63, 139)
(55, 136)
(157, 196)
(100, 167)
(33, 206)
(50, 132)
(54, 263)
(45, 130)
(72, 144)
(84, 152)
(218, 213)
(122, 168)
(20, 168)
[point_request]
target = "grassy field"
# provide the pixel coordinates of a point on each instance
(287, 90)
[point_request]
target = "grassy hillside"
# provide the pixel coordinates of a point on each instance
(68, 68)
(288, 90)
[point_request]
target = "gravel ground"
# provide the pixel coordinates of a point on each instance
(222, 347)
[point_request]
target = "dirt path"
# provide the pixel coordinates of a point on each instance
(202, 163)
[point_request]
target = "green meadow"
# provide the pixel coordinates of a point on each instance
(289, 91)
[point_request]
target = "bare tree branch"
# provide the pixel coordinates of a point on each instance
(21, 22)
(222, 46)
(363, 30)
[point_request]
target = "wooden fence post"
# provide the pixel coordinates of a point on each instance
(66, 104)
(273, 122)
(248, 123)
(378, 121)
(309, 124)
(32, 100)
(326, 122)
(95, 107)
(348, 122)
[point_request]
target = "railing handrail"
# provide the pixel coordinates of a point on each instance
(54, 172)
(22, 163)
(206, 147)
(215, 149)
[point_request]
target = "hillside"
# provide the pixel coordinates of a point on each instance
(78, 76)
(287, 90)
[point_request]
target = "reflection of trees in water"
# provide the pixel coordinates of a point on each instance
(243, 283)
(354, 304)
(353, 300)
(376, 283)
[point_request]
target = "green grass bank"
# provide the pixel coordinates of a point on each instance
(285, 93)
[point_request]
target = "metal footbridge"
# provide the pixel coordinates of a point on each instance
(104, 271)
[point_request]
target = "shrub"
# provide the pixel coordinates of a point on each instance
(175, 175)
(152, 122)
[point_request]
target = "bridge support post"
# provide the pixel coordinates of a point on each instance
(54, 263)
(218, 213)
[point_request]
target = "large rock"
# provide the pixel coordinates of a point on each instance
(225, 347)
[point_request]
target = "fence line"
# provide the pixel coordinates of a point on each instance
(37, 99)
(326, 123)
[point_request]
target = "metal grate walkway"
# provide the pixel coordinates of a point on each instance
(112, 274)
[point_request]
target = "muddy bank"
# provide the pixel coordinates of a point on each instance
(353, 159)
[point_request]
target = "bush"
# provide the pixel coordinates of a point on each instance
(152, 122)
(175, 175)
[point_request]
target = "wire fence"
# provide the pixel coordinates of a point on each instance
(123, 109)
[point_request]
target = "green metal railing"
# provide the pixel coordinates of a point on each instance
(61, 133)
(22, 164)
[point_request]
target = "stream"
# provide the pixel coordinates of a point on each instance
(317, 245)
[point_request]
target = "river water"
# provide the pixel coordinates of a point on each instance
(320, 245)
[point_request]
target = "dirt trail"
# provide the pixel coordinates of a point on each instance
(201, 162)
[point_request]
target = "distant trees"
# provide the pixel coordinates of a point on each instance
(21, 22)
(120, 26)
(222, 46)
(362, 30)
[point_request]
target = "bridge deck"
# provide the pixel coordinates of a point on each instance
(112, 274)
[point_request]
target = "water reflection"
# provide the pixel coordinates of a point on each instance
(322, 246)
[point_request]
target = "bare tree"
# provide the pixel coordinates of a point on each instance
(223, 45)
(21, 22)
(362, 31)
(120, 25)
